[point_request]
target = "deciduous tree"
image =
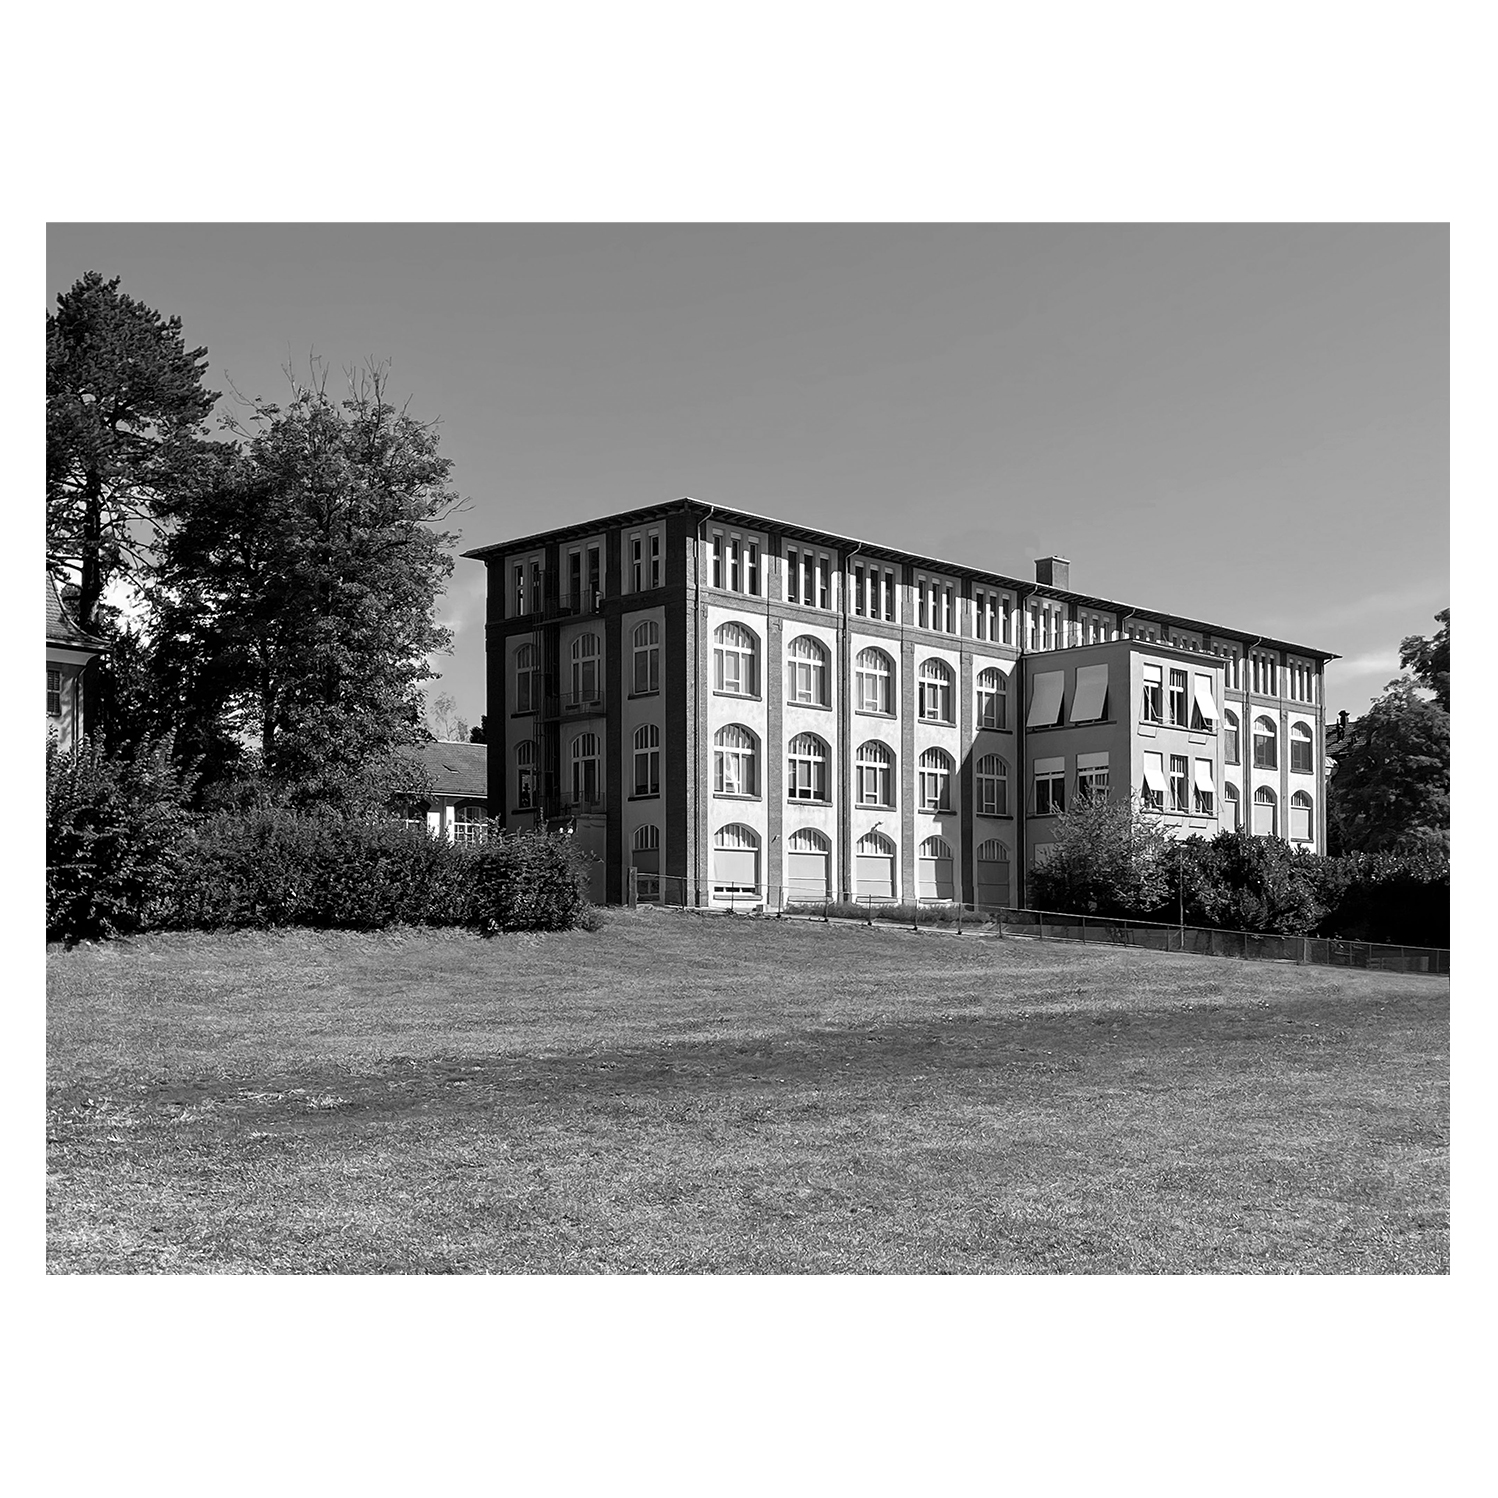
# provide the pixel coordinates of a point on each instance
(1429, 657)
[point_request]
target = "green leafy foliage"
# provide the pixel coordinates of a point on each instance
(294, 603)
(1108, 858)
(529, 882)
(125, 414)
(1391, 790)
(1429, 657)
(114, 836)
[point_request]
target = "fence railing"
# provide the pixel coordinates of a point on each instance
(1004, 921)
(575, 704)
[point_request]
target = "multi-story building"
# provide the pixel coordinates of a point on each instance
(739, 706)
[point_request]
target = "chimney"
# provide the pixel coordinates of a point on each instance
(1053, 572)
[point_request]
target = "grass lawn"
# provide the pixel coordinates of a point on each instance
(680, 1094)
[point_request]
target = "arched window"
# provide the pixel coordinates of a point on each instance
(874, 773)
(874, 867)
(470, 822)
(735, 661)
(935, 697)
(1264, 812)
(936, 781)
(806, 672)
(806, 769)
(993, 698)
(876, 677)
(734, 755)
(587, 679)
(808, 865)
(587, 781)
(1300, 817)
(527, 680)
(934, 871)
(993, 874)
(525, 775)
(647, 657)
(1230, 750)
(1266, 741)
(992, 787)
(735, 860)
(647, 760)
(1300, 749)
(645, 859)
(1232, 817)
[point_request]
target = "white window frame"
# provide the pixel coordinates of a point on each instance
(808, 681)
(934, 780)
(806, 777)
(874, 775)
(991, 786)
(934, 691)
(735, 661)
(648, 760)
(735, 763)
(874, 668)
(992, 707)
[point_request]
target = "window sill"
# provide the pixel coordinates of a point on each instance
(996, 816)
(739, 696)
(644, 796)
(935, 723)
(809, 707)
(871, 806)
(734, 796)
(654, 692)
(869, 712)
(806, 801)
(935, 811)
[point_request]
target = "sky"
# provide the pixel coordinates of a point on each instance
(1242, 424)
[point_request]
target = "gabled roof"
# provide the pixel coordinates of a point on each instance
(456, 769)
(62, 629)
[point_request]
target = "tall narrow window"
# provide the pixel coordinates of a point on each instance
(733, 564)
(753, 585)
(1180, 712)
(1230, 749)
(527, 680)
(54, 693)
(935, 781)
(647, 657)
(1300, 749)
(858, 591)
(875, 774)
(525, 776)
(889, 597)
(645, 859)
(734, 761)
(806, 672)
(655, 560)
(717, 559)
(537, 588)
(648, 760)
(1180, 793)
(993, 875)
(934, 871)
(1300, 817)
(806, 769)
(519, 586)
(875, 680)
(1266, 744)
(824, 601)
(1152, 795)
(934, 703)
(587, 677)
(993, 698)
(992, 783)
(574, 579)
(1150, 705)
(1230, 814)
(595, 577)
(1050, 787)
(586, 779)
(1266, 822)
(735, 657)
(637, 564)
(792, 576)
(1203, 790)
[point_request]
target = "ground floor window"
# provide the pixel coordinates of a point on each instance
(874, 867)
(933, 871)
(993, 874)
(470, 822)
(735, 860)
(808, 866)
(645, 859)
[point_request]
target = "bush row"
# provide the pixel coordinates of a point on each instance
(122, 857)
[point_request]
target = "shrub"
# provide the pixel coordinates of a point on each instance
(529, 881)
(1107, 858)
(114, 833)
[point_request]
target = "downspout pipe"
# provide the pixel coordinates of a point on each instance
(701, 673)
(844, 732)
(1022, 787)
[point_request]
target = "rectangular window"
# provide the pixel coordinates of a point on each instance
(537, 597)
(1203, 705)
(647, 772)
(753, 586)
(717, 559)
(1050, 787)
(636, 565)
(1230, 739)
(792, 576)
(595, 577)
(574, 579)
(1150, 706)
(948, 612)
(1180, 797)
(519, 585)
(824, 601)
(655, 560)
(733, 563)
(1092, 777)
(920, 603)
(1180, 713)
(1300, 752)
(1153, 795)
(1203, 792)
(54, 693)
(889, 597)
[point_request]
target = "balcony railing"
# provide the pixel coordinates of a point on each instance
(576, 704)
(575, 806)
(589, 601)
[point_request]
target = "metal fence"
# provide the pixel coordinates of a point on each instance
(1047, 925)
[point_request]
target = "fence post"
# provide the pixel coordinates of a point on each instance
(868, 918)
(633, 884)
(824, 911)
(959, 918)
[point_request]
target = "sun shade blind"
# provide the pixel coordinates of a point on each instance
(1045, 705)
(1094, 761)
(1154, 772)
(1204, 774)
(1092, 692)
(1205, 705)
(1050, 766)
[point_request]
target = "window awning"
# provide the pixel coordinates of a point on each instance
(1045, 704)
(1053, 766)
(1154, 774)
(1093, 761)
(1092, 692)
(1204, 702)
(1204, 775)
